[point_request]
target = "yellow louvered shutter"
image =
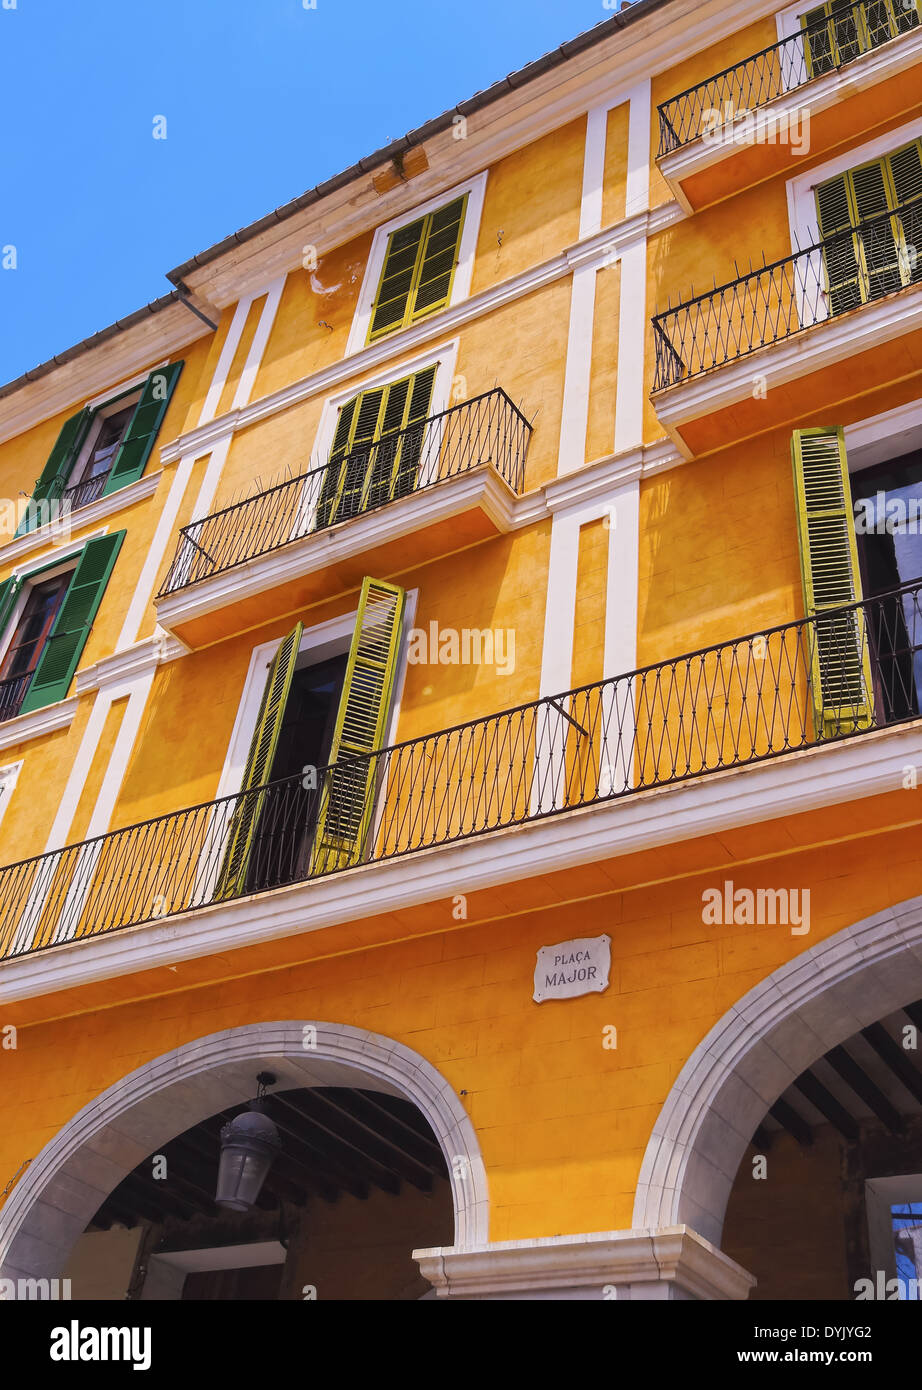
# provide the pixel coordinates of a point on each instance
(348, 791)
(906, 175)
(840, 674)
(419, 268)
(371, 461)
(887, 255)
(840, 256)
(841, 30)
(244, 823)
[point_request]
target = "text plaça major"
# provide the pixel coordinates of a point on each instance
(580, 972)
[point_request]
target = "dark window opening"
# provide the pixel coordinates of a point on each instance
(89, 477)
(888, 525)
(32, 631)
(284, 831)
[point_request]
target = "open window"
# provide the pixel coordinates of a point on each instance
(311, 775)
(101, 449)
(45, 620)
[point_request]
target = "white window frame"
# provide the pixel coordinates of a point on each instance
(8, 778)
(461, 284)
(444, 358)
(101, 413)
(879, 438)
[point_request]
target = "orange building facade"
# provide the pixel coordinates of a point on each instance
(507, 545)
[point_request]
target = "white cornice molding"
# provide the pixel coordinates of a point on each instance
(821, 345)
(57, 533)
(39, 722)
(789, 785)
(602, 248)
(872, 68)
(603, 476)
(99, 369)
(122, 668)
(672, 1255)
(479, 487)
(600, 76)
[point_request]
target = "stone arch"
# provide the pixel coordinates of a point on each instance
(772, 1034)
(66, 1183)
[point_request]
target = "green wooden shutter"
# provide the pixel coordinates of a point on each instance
(840, 675)
(439, 258)
(58, 659)
(57, 470)
(419, 268)
(397, 279)
(245, 819)
(9, 593)
(135, 448)
(361, 721)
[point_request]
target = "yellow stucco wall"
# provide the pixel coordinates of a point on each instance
(562, 1120)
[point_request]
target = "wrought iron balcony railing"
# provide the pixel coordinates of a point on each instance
(13, 692)
(822, 46)
(838, 273)
(840, 674)
(488, 429)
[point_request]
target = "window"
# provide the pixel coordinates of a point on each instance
(101, 449)
(55, 616)
(376, 449)
(28, 640)
(887, 503)
(860, 542)
(94, 463)
(419, 267)
(841, 30)
(883, 253)
(329, 718)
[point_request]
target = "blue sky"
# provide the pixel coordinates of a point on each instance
(262, 99)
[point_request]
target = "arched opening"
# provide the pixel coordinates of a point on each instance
(378, 1158)
(850, 986)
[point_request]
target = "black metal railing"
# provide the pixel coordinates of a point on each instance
(819, 48)
(840, 674)
(85, 492)
(488, 429)
(13, 692)
(836, 274)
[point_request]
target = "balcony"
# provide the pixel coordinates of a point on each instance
(414, 494)
(840, 675)
(13, 693)
(740, 126)
(852, 299)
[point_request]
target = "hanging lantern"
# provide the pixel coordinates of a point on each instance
(249, 1145)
